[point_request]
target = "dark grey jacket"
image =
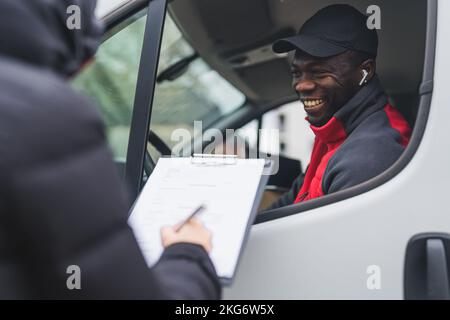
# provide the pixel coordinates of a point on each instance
(61, 201)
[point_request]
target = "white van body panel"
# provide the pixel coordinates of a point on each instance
(325, 253)
(106, 6)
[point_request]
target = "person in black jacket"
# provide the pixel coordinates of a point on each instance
(61, 200)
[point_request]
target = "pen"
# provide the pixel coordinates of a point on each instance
(196, 212)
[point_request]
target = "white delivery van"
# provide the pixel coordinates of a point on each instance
(165, 64)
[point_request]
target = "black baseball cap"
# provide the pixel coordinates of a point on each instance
(331, 31)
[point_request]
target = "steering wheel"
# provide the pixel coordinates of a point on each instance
(160, 146)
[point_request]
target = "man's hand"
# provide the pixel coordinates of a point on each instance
(192, 232)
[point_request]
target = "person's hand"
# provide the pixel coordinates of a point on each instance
(192, 232)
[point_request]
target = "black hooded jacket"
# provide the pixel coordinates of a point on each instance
(61, 201)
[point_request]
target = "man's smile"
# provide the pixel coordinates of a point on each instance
(314, 106)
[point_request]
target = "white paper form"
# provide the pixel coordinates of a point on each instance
(177, 187)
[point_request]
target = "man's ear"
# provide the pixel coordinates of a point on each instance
(370, 66)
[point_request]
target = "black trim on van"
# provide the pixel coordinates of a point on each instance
(143, 102)
(425, 93)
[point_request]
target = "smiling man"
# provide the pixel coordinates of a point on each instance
(358, 133)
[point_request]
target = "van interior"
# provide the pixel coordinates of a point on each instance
(235, 38)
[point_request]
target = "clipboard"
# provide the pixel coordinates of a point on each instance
(141, 221)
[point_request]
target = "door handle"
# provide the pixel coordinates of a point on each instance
(426, 275)
(437, 270)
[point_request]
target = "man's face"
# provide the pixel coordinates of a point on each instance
(324, 85)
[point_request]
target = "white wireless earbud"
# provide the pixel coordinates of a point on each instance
(364, 78)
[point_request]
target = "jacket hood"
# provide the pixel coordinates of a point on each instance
(36, 32)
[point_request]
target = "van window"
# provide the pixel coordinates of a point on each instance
(110, 80)
(198, 93)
